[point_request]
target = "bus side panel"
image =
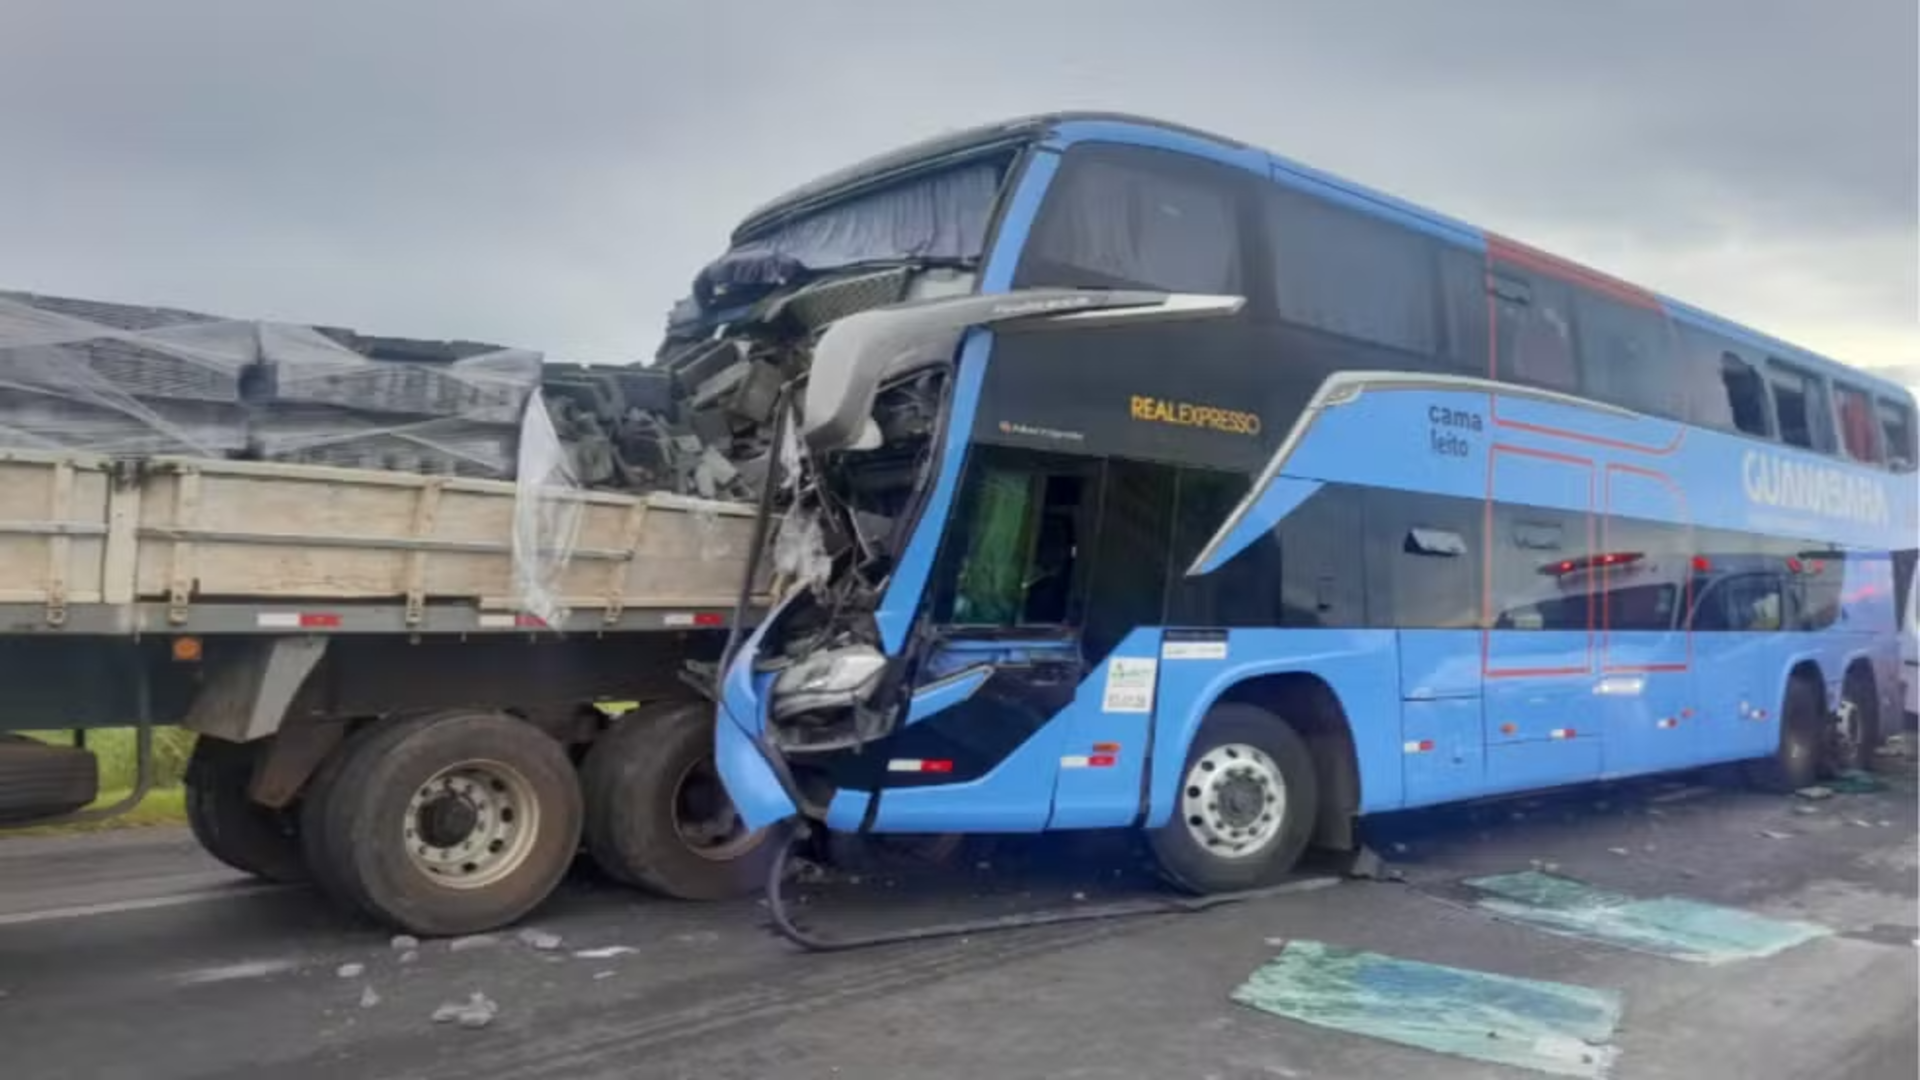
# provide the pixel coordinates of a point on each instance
(1359, 666)
(1113, 703)
(1106, 739)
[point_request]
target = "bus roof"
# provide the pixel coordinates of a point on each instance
(950, 148)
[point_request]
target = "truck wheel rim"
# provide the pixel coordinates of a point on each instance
(472, 824)
(1234, 801)
(705, 819)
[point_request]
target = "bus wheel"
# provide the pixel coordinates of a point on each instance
(443, 824)
(1246, 804)
(1854, 729)
(658, 815)
(231, 827)
(1796, 762)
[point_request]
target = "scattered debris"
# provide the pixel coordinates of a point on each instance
(246, 969)
(1367, 864)
(1884, 824)
(606, 952)
(699, 937)
(1817, 791)
(1619, 851)
(1682, 794)
(351, 971)
(369, 997)
(476, 1012)
(1773, 834)
(539, 939)
(471, 942)
(1079, 898)
(1277, 942)
(1859, 823)
(1545, 867)
(404, 943)
(1857, 782)
(598, 975)
(409, 956)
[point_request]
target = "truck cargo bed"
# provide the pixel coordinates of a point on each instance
(92, 545)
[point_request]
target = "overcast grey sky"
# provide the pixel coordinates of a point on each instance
(552, 174)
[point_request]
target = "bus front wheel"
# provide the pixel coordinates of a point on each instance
(1246, 804)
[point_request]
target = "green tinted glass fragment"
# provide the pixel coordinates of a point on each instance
(1550, 1027)
(1664, 926)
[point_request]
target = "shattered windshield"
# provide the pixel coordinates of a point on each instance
(939, 217)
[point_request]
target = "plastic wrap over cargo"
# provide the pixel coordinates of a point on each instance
(547, 507)
(321, 403)
(121, 381)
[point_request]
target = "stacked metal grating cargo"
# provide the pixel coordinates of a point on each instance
(442, 408)
(129, 381)
(120, 380)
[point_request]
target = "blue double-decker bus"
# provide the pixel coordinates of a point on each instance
(1129, 477)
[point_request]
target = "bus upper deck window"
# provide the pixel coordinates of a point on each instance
(1799, 406)
(1896, 423)
(1859, 433)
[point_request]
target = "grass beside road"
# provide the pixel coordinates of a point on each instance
(118, 752)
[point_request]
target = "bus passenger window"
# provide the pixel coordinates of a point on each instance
(1859, 432)
(1132, 217)
(1799, 406)
(1534, 332)
(1746, 396)
(1896, 423)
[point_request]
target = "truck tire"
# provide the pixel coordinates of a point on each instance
(443, 824)
(1796, 762)
(41, 781)
(231, 827)
(1246, 805)
(657, 814)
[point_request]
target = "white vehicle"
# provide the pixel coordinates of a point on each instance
(1910, 652)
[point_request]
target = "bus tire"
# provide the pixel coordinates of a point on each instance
(230, 826)
(1246, 805)
(1796, 762)
(1854, 730)
(443, 824)
(658, 816)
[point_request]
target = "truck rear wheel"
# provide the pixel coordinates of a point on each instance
(1246, 805)
(657, 814)
(231, 827)
(444, 824)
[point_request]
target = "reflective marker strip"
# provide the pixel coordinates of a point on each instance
(693, 618)
(919, 765)
(504, 622)
(1562, 733)
(1420, 747)
(1075, 761)
(1667, 723)
(1088, 761)
(296, 620)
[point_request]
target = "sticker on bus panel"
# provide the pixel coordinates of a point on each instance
(1130, 684)
(1194, 645)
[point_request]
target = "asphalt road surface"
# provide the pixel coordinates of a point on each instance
(134, 956)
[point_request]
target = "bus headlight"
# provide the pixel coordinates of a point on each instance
(832, 679)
